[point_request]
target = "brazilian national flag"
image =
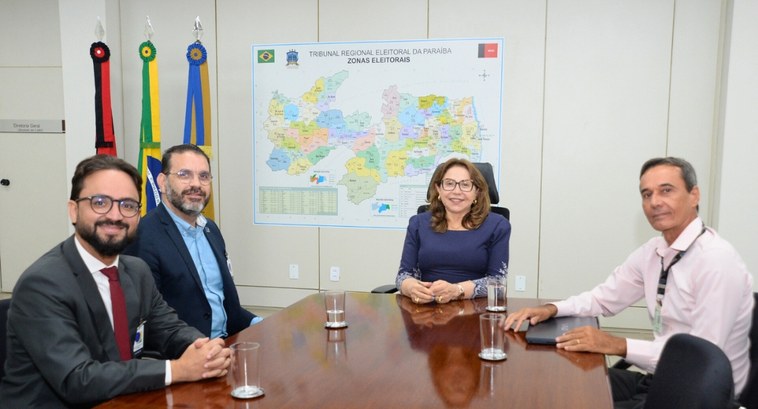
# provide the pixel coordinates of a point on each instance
(265, 56)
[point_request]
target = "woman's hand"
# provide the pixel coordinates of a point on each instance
(444, 292)
(418, 291)
(422, 292)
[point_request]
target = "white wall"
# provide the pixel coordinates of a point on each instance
(592, 89)
(33, 215)
(78, 19)
(738, 181)
(606, 98)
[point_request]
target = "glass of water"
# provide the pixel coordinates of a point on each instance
(334, 301)
(246, 370)
(497, 290)
(492, 337)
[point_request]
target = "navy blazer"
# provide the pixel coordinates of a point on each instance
(61, 347)
(161, 245)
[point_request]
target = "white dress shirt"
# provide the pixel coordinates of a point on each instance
(709, 294)
(104, 288)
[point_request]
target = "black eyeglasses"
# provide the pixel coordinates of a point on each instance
(466, 185)
(187, 176)
(102, 204)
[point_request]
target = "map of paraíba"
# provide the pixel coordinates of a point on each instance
(349, 134)
(409, 138)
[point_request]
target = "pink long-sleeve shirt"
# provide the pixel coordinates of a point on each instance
(709, 294)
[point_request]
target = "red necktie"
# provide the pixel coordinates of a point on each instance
(120, 324)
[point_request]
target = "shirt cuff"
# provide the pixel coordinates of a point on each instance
(560, 307)
(167, 379)
(255, 320)
(642, 354)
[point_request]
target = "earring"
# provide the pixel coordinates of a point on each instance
(474, 201)
(439, 197)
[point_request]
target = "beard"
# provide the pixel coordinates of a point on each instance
(190, 208)
(110, 246)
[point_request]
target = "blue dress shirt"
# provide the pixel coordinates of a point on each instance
(207, 266)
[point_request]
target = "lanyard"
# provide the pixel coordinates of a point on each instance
(657, 324)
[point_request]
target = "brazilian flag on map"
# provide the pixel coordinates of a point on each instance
(265, 56)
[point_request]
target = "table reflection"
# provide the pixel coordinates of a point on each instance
(449, 334)
(455, 373)
(336, 346)
(490, 375)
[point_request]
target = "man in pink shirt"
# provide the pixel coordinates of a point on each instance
(707, 289)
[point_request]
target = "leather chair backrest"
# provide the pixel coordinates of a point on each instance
(749, 396)
(692, 373)
(4, 307)
(489, 176)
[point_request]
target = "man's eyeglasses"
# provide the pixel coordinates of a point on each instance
(188, 176)
(102, 204)
(466, 185)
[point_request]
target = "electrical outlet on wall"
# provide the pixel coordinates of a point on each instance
(334, 273)
(520, 283)
(294, 272)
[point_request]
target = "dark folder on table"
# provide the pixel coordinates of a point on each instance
(546, 331)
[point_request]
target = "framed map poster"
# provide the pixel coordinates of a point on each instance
(348, 134)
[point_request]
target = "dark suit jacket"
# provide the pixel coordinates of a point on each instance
(62, 351)
(161, 245)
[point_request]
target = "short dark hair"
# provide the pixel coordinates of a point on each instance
(186, 147)
(688, 172)
(102, 162)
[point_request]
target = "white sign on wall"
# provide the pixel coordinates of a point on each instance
(32, 125)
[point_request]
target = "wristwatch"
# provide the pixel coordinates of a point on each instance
(460, 292)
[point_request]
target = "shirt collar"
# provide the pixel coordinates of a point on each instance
(92, 263)
(201, 221)
(684, 241)
(690, 233)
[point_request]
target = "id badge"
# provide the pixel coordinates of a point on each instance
(139, 339)
(657, 320)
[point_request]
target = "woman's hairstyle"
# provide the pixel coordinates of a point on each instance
(479, 209)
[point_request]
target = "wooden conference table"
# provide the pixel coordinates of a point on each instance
(394, 354)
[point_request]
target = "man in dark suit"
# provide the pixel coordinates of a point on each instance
(186, 251)
(73, 333)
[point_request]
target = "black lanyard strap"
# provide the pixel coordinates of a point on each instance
(665, 271)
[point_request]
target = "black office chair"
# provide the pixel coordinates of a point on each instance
(692, 373)
(489, 176)
(5, 305)
(749, 396)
